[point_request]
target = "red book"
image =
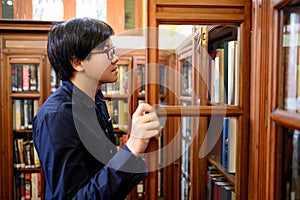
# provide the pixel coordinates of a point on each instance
(27, 177)
(124, 139)
(26, 78)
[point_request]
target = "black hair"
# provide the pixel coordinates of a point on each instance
(75, 39)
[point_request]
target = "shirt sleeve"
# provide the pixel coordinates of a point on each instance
(63, 160)
(116, 179)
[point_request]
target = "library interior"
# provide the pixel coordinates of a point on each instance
(222, 76)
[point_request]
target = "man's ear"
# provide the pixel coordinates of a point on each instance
(76, 63)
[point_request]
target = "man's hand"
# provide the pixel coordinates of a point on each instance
(145, 125)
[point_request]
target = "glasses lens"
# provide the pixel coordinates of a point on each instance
(111, 53)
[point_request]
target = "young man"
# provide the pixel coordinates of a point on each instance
(72, 131)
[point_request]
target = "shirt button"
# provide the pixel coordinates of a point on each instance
(111, 151)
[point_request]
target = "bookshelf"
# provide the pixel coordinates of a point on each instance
(23, 48)
(214, 23)
(26, 86)
(283, 119)
(264, 122)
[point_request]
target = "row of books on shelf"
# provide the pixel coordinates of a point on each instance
(24, 77)
(121, 139)
(217, 186)
(28, 186)
(121, 86)
(118, 110)
(55, 82)
(228, 143)
(23, 112)
(223, 74)
(25, 155)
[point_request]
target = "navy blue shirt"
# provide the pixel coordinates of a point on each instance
(74, 138)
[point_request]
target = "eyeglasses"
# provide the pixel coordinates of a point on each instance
(109, 52)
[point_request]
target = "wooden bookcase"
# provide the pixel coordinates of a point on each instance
(270, 120)
(24, 43)
(208, 14)
(262, 118)
(25, 75)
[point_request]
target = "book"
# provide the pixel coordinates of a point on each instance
(225, 80)
(28, 152)
(17, 162)
(227, 192)
(224, 153)
(19, 77)
(27, 178)
(298, 80)
(220, 54)
(232, 70)
(26, 79)
(53, 80)
(212, 79)
(26, 113)
(115, 116)
(20, 150)
(21, 178)
(218, 189)
(210, 173)
(232, 140)
(17, 114)
(216, 83)
(121, 114)
(33, 77)
(214, 180)
(34, 186)
(14, 78)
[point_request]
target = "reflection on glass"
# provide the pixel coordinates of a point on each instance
(45, 9)
(91, 8)
(291, 56)
(212, 51)
(7, 9)
(186, 73)
(186, 126)
(291, 164)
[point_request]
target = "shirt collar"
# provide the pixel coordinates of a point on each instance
(81, 96)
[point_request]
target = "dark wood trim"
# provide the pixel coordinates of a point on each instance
(24, 26)
(69, 9)
(199, 111)
(286, 118)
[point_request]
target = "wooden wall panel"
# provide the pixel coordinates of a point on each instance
(116, 15)
(197, 3)
(69, 9)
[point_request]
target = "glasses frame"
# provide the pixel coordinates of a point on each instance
(109, 52)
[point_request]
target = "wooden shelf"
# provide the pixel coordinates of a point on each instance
(116, 96)
(26, 95)
(222, 169)
(202, 111)
(28, 170)
(286, 118)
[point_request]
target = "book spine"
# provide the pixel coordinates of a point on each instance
(27, 177)
(26, 79)
(14, 78)
(33, 77)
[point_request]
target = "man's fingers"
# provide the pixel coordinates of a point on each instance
(152, 116)
(142, 109)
